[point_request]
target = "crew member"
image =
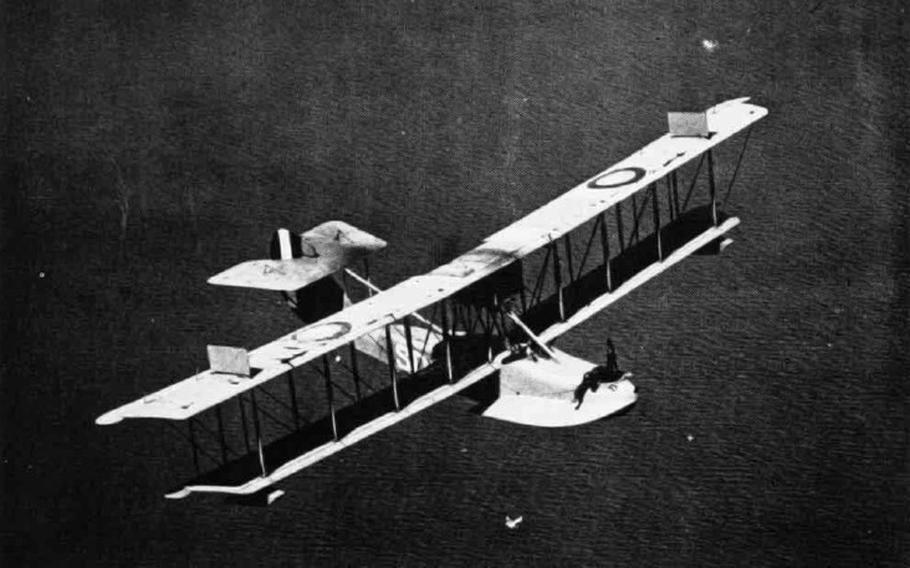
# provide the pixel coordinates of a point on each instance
(591, 380)
(612, 365)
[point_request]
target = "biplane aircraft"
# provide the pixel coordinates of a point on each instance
(484, 322)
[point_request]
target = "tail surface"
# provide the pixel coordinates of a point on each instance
(305, 267)
(286, 245)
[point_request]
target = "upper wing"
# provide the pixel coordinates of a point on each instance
(560, 216)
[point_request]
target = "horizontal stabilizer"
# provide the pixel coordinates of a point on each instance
(282, 275)
(339, 233)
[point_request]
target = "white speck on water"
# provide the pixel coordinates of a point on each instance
(690, 437)
(40, 275)
(710, 45)
(513, 523)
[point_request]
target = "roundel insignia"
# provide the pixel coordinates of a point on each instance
(617, 178)
(324, 332)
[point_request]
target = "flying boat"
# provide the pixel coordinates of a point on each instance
(483, 323)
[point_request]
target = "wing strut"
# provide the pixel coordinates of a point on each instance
(712, 186)
(355, 370)
(656, 208)
(222, 441)
(674, 181)
(446, 339)
(246, 431)
(258, 429)
(694, 181)
(295, 411)
(619, 227)
(407, 337)
(557, 276)
(739, 162)
(193, 444)
(567, 241)
(393, 369)
(532, 335)
(584, 257)
(605, 247)
(330, 393)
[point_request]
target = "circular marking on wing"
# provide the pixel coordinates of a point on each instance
(324, 332)
(618, 178)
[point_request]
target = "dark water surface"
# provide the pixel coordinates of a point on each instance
(433, 125)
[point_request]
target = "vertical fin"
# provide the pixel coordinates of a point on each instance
(285, 245)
